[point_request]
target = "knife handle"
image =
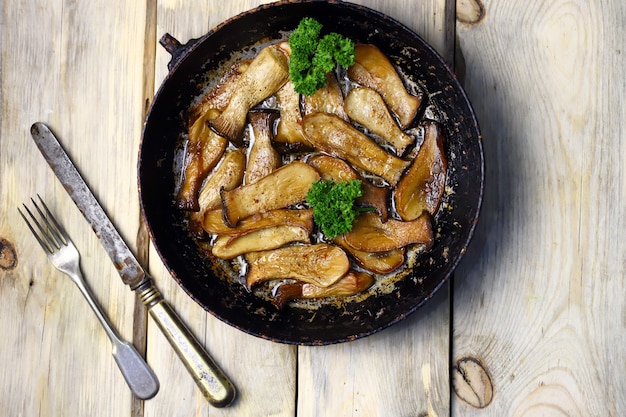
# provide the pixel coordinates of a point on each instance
(214, 384)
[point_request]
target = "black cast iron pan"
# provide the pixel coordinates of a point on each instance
(194, 64)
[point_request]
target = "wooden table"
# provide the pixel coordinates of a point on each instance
(534, 323)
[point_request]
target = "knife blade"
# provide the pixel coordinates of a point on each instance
(125, 262)
(213, 383)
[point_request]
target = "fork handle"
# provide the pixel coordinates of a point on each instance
(137, 373)
(214, 384)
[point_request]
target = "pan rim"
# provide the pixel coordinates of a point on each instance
(468, 234)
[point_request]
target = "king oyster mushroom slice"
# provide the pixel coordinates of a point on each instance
(332, 169)
(319, 264)
(219, 96)
(354, 282)
(369, 234)
(328, 99)
(226, 176)
(378, 262)
(367, 108)
(262, 158)
(337, 170)
(204, 150)
(331, 134)
(289, 129)
(422, 187)
(214, 222)
(229, 247)
(373, 69)
(265, 75)
(285, 186)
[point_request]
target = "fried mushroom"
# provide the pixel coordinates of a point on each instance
(229, 247)
(374, 70)
(285, 186)
(422, 187)
(333, 135)
(369, 234)
(367, 108)
(319, 264)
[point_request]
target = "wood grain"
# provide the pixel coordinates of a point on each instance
(404, 369)
(57, 68)
(263, 372)
(419, 377)
(537, 314)
(140, 313)
(540, 299)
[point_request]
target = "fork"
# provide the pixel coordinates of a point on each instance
(65, 257)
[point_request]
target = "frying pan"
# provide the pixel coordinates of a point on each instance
(192, 68)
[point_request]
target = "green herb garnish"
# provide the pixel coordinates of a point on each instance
(312, 58)
(333, 205)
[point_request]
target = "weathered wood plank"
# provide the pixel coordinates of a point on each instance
(140, 316)
(424, 378)
(404, 369)
(539, 301)
(76, 66)
(263, 372)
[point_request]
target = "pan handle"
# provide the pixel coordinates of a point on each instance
(176, 49)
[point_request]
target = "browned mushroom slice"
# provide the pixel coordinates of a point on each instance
(285, 186)
(286, 293)
(378, 262)
(367, 108)
(332, 169)
(289, 129)
(334, 136)
(354, 282)
(219, 96)
(229, 247)
(227, 175)
(320, 264)
(337, 170)
(262, 158)
(328, 99)
(375, 197)
(267, 73)
(204, 150)
(374, 70)
(214, 222)
(423, 185)
(369, 234)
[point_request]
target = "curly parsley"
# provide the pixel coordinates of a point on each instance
(312, 58)
(333, 205)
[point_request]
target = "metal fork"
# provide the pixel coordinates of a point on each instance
(65, 257)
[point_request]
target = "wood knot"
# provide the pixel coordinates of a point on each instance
(472, 383)
(8, 255)
(470, 12)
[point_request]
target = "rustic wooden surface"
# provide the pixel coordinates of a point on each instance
(540, 301)
(534, 323)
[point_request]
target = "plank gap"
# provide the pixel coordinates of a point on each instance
(140, 313)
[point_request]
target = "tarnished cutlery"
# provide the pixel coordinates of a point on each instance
(65, 257)
(212, 381)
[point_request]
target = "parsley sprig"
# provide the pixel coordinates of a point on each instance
(313, 57)
(333, 205)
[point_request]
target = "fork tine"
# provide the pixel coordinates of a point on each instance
(45, 244)
(50, 235)
(53, 226)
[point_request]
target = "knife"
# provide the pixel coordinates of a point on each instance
(213, 383)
